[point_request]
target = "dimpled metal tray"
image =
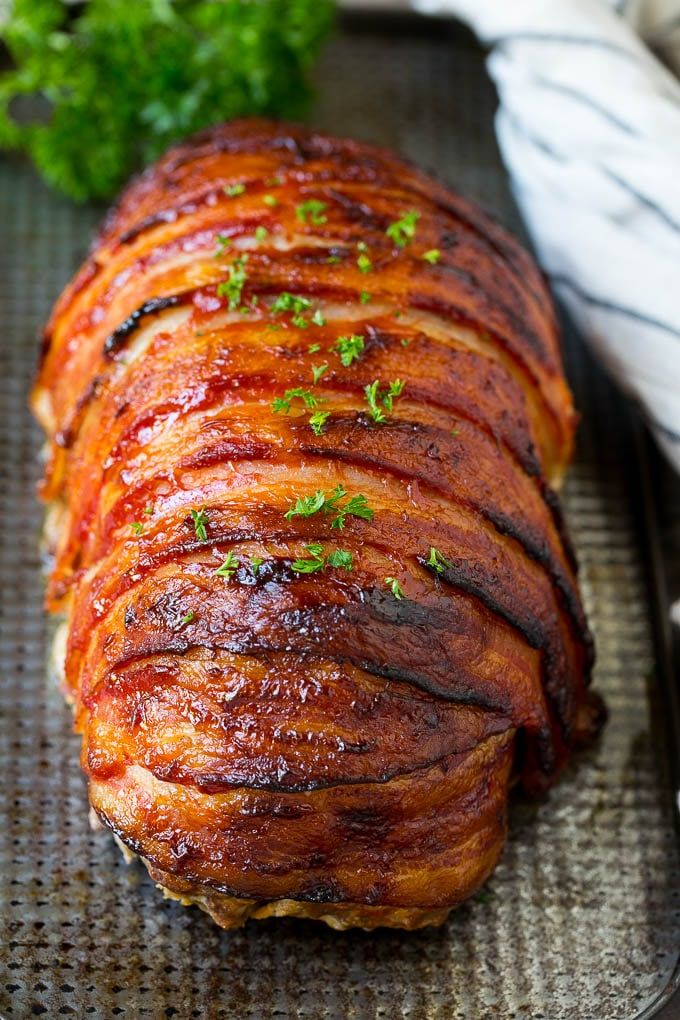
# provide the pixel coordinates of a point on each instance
(581, 920)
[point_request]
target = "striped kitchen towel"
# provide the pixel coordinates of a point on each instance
(589, 127)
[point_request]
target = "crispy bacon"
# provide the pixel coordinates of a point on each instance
(336, 743)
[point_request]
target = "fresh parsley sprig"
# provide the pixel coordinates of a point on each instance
(404, 230)
(329, 503)
(126, 79)
(317, 560)
(283, 404)
(374, 398)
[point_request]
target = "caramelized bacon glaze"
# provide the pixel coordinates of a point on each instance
(327, 744)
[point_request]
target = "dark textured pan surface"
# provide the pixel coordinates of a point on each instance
(582, 918)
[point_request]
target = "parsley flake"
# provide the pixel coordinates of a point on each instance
(261, 233)
(270, 200)
(137, 527)
(318, 318)
(256, 563)
(191, 615)
(318, 420)
(395, 588)
(437, 561)
(200, 519)
(365, 297)
(340, 558)
(314, 563)
(286, 302)
(223, 242)
(314, 348)
(349, 348)
(307, 506)
(233, 287)
(311, 211)
(232, 190)
(374, 398)
(297, 393)
(318, 371)
(432, 256)
(229, 567)
(404, 230)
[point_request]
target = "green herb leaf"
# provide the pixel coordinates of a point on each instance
(349, 348)
(297, 393)
(318, 371)
(432, 256)
(200, 519)
(148, 510)
(404, 230)
(395, 587)
(372, 397)
(126, 79)
(311, 211)
(270, 200)
(223, 242)
(314, 348)
(256, 563)
(233, 287)
(340, 558)
(286, 302)
(229, 567)
(318, 318)
(232, 190)
(306, 506)
(365, 297)
(318, 420)
(437, 561)
(333, 260)
(137, 527)
(364, 263)
(329, 502)
(311, 565)
(191, 615)
(261, 233)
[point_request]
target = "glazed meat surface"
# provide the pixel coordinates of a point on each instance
(306, 413)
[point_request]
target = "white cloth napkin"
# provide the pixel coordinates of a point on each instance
(589, 127)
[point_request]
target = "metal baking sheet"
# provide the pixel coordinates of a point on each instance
(581, 921)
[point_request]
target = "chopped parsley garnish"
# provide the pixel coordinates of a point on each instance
(137, 527)
(314, 348)
(374, 398)
(454, 432)
(437, 561)
(404, 230)
(200, 519)
(365, 297)
(318, 371)
(318, 318)
(311, 211)
(318, 420)
(307, 506)
(314, 563)
(256, 563)
(432, 256)
(349, 348)
(270, 200)
(223, 242)
(333, 260)
(229, 567)
(261, 233)
(191, 615)
(286, 302)
(395, 587)
(283, 403)
(299, 321)
(404, 341)
(338, 558)
(148, 510)
(363, 261)
(273, 182)
(232, 190)
(233, 287)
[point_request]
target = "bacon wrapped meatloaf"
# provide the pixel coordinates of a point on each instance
(305, 411)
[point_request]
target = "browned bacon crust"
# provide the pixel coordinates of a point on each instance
(273, 741)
